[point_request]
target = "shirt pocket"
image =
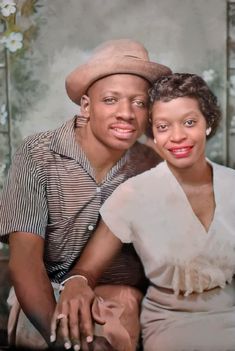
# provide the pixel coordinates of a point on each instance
(57, 240)
(65, 239)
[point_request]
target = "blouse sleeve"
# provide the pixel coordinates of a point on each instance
(117, 212)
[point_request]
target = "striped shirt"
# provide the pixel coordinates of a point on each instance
(51, 191)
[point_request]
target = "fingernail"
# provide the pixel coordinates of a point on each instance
(76, 347)
(52, 338)
(67, 345)
(89, 339)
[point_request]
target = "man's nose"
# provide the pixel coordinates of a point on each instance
(125, 110)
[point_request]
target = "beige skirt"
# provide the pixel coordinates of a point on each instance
(198, 322)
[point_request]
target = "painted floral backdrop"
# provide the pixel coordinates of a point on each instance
(68, 31)
(20, 24)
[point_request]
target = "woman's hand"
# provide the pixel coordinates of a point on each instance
(72, 319)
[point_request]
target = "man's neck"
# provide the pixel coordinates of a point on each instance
(101, 158)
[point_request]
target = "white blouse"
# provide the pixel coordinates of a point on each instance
(152, 211)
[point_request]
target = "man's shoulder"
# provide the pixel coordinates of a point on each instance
(39, 139)
(143, 157)
(40, 143)
(36, 144)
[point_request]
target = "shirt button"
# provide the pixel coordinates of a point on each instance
(98, 190)
(90, 227)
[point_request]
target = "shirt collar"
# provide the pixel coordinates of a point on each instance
(64, 143)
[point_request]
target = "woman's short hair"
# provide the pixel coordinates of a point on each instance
(176, 85)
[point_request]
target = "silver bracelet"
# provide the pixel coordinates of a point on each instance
(61, 288)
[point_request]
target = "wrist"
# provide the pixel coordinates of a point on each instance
(91, 280)
(75, 276)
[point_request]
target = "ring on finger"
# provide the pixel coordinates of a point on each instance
(61, 316)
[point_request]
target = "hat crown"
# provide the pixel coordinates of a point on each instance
(119, 56)
(120, 48)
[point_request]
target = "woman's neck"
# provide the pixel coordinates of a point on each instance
(198, 174)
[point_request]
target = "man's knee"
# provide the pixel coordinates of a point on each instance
(124, 302)
(125, 295)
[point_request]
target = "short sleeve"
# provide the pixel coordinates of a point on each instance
(117, 211)
(23, 205)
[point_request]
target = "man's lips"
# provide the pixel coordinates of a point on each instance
(182, 151)
(122, 131)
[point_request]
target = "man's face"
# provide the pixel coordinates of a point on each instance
(117, 107)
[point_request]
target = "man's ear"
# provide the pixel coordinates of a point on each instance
(85, 106)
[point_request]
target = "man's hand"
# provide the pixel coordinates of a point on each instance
(72, 319)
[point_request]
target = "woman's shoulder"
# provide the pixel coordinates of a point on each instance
(148, 176)
(223, 170)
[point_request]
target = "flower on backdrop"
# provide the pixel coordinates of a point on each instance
(13, 42)
(232, 85)
(3, 40)
(209, 75)
(3, 114)
(7, 7)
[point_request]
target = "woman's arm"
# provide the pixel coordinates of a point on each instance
(77, 296)
(98, 253)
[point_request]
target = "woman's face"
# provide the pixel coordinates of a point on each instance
(179, 129)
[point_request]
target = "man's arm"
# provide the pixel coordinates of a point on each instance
(30, 280)
(77, 297)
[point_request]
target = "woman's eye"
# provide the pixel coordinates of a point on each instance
(189, 123)
(162, 127)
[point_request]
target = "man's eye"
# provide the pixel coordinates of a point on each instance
(109, 100)
(140, 103)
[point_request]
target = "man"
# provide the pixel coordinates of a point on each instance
(58, 181)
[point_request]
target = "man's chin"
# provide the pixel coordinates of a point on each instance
(123, 145)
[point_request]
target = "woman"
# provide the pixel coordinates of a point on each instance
(180, 217)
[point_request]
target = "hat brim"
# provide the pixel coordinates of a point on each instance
(78, 82)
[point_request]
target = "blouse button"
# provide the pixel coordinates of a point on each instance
(98, 190)
(90, 227)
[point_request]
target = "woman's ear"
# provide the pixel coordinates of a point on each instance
(85, 106)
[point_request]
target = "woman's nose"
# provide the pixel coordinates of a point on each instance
(178, 134)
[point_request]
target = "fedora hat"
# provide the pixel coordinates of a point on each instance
(122, 56)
